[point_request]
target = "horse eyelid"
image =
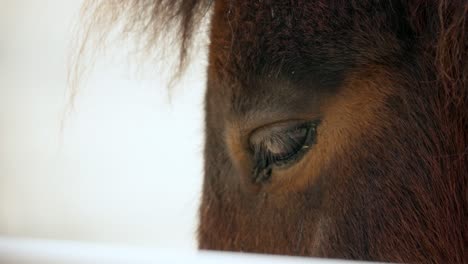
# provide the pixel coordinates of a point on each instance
(265, 159)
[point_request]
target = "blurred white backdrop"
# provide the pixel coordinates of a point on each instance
(127, 166)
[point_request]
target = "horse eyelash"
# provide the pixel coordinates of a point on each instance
(265, 160)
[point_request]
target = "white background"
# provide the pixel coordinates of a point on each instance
(127, 166)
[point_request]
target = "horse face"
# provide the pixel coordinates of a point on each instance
(333, 128)
(322, 133)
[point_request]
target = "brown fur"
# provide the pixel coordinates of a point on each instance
(387, 179)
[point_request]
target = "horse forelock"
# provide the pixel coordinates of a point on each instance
(443, 23)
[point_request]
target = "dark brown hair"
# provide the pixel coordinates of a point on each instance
(385, 82)
(444, 20)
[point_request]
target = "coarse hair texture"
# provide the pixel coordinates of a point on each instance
(452, 46)
(149, 20)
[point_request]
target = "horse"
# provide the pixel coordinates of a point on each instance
(334, 129)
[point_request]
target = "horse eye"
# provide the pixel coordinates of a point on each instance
(280, 145)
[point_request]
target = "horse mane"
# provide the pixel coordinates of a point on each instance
(447, 28)
(451, 56)
(148, 20)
